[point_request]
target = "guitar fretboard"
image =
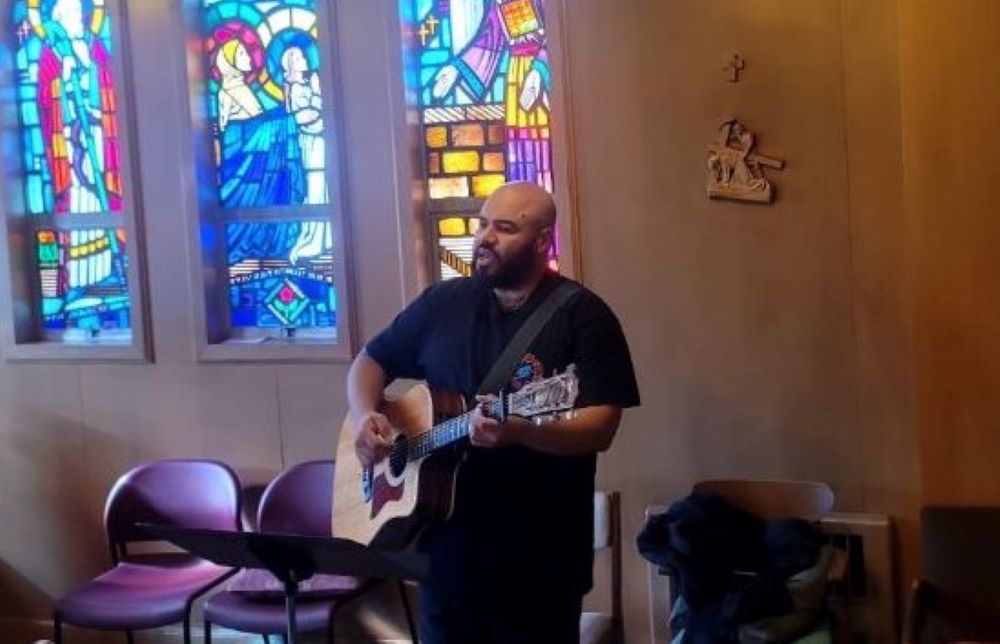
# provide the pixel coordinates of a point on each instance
(444, 434)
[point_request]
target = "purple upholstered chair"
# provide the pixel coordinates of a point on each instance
(155, 589)
(298, 501)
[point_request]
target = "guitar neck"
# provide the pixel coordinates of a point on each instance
(536, 399)
(446, 433)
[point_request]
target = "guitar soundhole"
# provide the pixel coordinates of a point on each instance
(399, 456)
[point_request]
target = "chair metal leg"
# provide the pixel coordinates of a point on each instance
(208, 632)
(129, 637)
(266, 638)
(187, 629)
(409, 613)
(56, 630)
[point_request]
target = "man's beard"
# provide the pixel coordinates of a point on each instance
(508, 272)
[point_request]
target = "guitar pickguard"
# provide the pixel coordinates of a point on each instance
(384, 492)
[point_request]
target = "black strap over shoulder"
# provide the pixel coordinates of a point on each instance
(504, 367)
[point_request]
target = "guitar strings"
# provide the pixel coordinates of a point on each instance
(422, 438)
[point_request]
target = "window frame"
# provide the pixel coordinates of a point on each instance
(21, 332)
(216, 339)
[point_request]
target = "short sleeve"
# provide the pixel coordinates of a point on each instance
(397, 347)
(602, 357)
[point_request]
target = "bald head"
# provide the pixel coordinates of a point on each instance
(515, 235)
(527, 202)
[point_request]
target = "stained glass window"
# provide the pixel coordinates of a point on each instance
(71, 169)
(265, 102)
(67, 107)
(479, 74)
(267, 117)
(281, 274)
(82, 274)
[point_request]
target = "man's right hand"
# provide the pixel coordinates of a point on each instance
(374, 438)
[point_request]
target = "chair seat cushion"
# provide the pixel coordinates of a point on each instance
(261, 584)
(143, 592)
(242, 613)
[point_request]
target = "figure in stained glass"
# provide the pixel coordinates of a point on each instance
(304, 102)
(261, 161)
(266, 102)
(504, 61)
(67, 106)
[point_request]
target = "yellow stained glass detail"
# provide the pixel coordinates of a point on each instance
(442, 188)
(473, 225)
(437, 136)
(463, 162)
(519, 17)
(468, 135)
(483, 185)
(493, 162)
(452, 227)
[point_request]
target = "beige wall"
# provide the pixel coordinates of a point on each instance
(769, 340)
(951, 103)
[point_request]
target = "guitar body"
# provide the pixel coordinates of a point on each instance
(386, 506)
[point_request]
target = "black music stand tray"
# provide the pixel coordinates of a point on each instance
(292, 558)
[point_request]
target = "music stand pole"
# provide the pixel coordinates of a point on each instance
(291, 590)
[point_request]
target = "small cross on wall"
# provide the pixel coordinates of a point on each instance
(734, 67)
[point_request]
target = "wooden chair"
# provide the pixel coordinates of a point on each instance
(768, 499)
(957, 596)
(606, 628)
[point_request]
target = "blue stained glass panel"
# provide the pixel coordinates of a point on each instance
(83, 277)
(67, 106)
(281, 274)
(265, 102)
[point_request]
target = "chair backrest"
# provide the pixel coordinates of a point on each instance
(607, 537)
(188, 493)
(299, 500)
(774, 499)
(961, 560)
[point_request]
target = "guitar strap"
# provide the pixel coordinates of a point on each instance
(503, 368)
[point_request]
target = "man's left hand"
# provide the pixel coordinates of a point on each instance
(489, 432)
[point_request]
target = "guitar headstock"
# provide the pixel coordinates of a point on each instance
(544, 397)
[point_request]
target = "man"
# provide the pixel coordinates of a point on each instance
(513, 561)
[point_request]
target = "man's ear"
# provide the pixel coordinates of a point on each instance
(543, 241)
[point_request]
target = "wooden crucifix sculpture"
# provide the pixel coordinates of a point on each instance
(734, 168)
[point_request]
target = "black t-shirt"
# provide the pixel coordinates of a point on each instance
(516, 510)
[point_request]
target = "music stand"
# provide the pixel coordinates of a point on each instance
(292, 558)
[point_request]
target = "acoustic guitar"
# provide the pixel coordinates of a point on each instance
(387, 504)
